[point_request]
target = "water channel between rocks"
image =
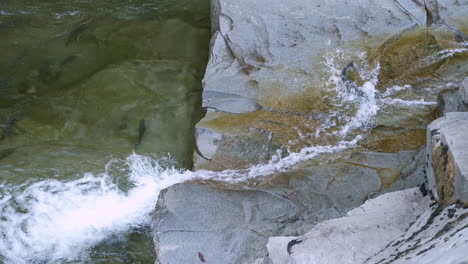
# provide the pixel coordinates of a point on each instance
(99, 100)
(83, 84)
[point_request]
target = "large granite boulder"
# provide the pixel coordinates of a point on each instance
(263, 95)
(195, 223)
(399, 227)
(354, 238)
(269, 63)
(447, 148)
(325, 189)
(463, 95)
(453, 100)
(233, 226)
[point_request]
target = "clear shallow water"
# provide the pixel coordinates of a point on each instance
(83, 83)
(72, 190)
(77, 86)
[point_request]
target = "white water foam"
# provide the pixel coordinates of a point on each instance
(395, 90)
(59, 220)
(447, 53)
(398, 101)
(362, 98)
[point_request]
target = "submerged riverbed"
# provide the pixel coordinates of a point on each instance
(83, 83)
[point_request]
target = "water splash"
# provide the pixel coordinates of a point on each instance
(52, 221)
(350, 96)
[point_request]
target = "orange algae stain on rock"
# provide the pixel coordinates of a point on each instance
(284, 127)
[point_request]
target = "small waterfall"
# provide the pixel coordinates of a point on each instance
(55, 221)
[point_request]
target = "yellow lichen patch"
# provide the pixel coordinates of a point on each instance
(312, 95)
(388, 176)
(220, 184)
(444, 170)
(395, 140)
(452, 68)
(223, 161)
(285, 127)
(355, 77)
(446, 37)
(406, 57)
(314, 100)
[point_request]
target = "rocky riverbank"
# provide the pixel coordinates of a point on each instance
(286, 76)
(425, 225)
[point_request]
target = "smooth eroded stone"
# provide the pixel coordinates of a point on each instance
(399, 227)
(355, 237)
(453, 100)
(193, 218)
(447, 101)
(270, 61)
(194, 222)
(463, 95)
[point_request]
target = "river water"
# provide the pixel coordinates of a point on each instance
(83, 85)
(98, 102)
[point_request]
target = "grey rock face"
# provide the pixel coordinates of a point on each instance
(437, 236)
(463, 96)
(194, 222)
(453, 100)
(447, 149)
(234, 226)
(356, 237)
(267, 50)
(258, 53)
(264, 52)
(447, 101)
(398, 227)
(329, 190)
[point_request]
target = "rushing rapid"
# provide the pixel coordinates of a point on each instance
(56, 221)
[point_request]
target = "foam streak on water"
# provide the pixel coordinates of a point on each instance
(447, 53)
(398, 101)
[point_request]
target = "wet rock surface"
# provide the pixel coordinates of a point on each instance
(463, 98)
(261, 97)
(266, 65)
(234, 226)
(322, 190)
(221, 226)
